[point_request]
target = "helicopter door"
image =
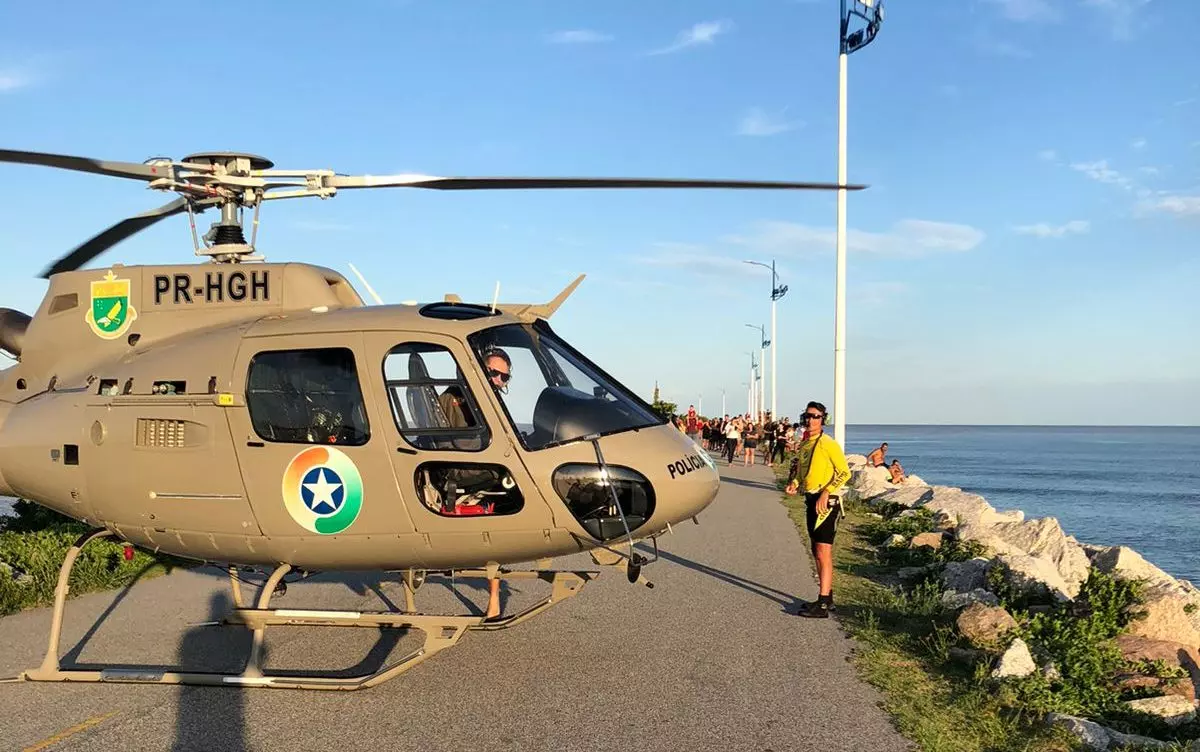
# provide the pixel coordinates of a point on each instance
(456, 466)
(312, 459)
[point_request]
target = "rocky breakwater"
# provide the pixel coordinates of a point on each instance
(1084, 634)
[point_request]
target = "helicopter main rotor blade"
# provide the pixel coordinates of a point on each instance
(113, 235)
(499, 183)
(86, 164)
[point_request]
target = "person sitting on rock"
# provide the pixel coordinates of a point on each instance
(876, 457)
(897, 472)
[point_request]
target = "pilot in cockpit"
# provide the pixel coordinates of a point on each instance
(499, 370)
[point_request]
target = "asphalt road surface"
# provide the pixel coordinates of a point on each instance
(712, 658)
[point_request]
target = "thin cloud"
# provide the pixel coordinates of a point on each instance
(705, 32)
(1048, 155)
(578, 36)
(1023, 11)
(12, 80)
(1138, 143)
(758, 122)
(696, 259)
(1045, 230)
(908, 238)
(989, 46)
(1122, 17)
(1175, 204)
(1149, 202)
(1102, 173)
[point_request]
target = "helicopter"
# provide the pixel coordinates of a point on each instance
(260, 416)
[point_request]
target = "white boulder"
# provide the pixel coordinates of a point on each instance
(1016, 662)
(960, 507)
(1045, 538)
(904, 495)
(1032, 574)
(1173, 709)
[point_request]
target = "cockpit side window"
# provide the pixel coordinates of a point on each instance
(307, 396)
(431, 402)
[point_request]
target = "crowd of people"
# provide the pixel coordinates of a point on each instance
(741, 436)
(818, 470)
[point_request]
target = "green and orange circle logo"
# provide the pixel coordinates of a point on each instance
(322, 490)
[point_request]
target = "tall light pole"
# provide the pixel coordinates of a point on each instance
(723, 413)
(764, 343)
(750, 409)
(869, 12)
(777, 292)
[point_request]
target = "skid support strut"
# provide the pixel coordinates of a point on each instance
(440, 632)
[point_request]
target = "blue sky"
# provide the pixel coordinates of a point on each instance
(1026, 253)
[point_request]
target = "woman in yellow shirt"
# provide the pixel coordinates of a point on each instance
(821, 469)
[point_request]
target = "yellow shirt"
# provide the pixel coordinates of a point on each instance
(828, 469)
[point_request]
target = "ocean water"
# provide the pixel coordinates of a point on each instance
(1136, 487)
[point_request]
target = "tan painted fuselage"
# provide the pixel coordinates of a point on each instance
(135, 418)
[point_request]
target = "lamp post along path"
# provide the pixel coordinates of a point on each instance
(777, 292)
(870, 13)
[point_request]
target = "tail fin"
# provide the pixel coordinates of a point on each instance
(530, 312)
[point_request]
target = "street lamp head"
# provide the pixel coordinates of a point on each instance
(779, 292)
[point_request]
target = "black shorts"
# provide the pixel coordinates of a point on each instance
(828, 528)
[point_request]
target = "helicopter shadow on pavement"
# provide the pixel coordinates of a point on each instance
(212, 718)
(785, 600)
(750, 483)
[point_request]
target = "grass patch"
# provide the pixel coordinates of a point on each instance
(904, 646)
(32, 547)
(942, 697)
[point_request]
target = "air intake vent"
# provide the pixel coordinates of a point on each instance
(158, 432)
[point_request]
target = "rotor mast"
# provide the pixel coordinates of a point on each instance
(225, 240)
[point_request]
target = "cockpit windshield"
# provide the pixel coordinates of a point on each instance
(551, 393)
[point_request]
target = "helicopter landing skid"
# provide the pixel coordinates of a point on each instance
(441, 632)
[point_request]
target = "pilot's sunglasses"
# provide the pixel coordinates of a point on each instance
(504, 375)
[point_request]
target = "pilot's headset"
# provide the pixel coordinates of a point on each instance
(495, 352)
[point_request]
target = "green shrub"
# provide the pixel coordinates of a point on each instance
(1077, 637)
(33, 544)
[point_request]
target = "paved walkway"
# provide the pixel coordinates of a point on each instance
(710, 659)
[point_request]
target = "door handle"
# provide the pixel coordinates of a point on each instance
(405, 450)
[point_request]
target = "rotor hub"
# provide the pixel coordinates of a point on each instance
(234, 163)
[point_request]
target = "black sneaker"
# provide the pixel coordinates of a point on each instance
(818, 609)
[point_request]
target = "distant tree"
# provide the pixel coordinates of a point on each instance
(664, 409)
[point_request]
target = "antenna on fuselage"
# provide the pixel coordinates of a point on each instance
(366, 284)
(496, 296)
